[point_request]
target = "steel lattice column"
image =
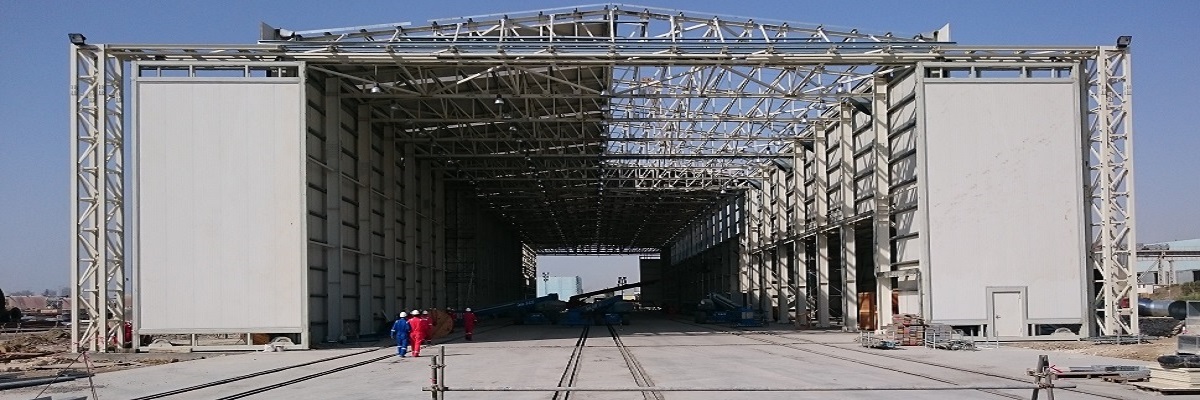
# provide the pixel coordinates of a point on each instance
(1110, 169)
(98, 195)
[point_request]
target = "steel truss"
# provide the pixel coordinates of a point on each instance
(603, 129)
(1110, 166)
(98, 191)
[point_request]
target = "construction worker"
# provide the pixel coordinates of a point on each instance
(469, 324)
(453, 318)
(417, 332)
(428, 319)
(400, 331)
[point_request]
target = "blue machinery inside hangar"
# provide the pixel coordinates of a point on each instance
(317, 181)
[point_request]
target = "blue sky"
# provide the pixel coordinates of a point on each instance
(34, 157)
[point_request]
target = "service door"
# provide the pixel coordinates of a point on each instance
(1008, 316)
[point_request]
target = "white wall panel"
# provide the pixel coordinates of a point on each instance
(221, 206)
(1004, 194)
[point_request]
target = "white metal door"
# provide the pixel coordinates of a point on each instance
(1008, 318)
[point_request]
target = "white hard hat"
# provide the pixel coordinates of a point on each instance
(468, 309)
(416, 312)
(403, 314)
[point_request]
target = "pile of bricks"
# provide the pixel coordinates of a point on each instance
(910, 329)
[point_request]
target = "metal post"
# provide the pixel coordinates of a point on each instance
(333, 210)
(883, 218)
(435, 389)
(846, 185)
(441, 373)
(821, 201)
(1110, 162)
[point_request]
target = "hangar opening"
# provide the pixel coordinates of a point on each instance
(323, 180)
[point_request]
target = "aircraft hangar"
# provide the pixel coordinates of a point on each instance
(314, 183)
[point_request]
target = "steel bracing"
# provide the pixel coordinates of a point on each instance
(1110, 169)
(98, 191)
(606, 129)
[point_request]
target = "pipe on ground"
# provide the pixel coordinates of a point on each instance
(1163, 308)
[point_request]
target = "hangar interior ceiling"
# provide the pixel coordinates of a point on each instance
(594, 156)
(753, 156)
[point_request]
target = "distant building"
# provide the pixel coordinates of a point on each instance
(1187, 269)
(565, 286)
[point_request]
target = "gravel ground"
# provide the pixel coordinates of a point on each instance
(1137, 352)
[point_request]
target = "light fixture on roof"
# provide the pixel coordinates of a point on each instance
(604, 92)
(77, 39)
(376, 89)
(499, 100)
(1123, 41)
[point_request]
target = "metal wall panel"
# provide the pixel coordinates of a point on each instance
(221, 206)
(1004, 186)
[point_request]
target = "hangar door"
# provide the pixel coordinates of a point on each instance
(220, 202)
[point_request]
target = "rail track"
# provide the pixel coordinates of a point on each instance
(640, 377)
(571, 372)
(753, 335)
(317, 374)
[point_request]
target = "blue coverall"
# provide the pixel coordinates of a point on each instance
(400, 330)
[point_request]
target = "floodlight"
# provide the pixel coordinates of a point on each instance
(376, 89)
(499, 99)
(1123, 41)
(77, 39)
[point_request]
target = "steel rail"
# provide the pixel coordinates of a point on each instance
(571, 372)
(740, 333)
(280, 369)
(640, 377)
(738, 389)
(303, 378)
(933, 364)
(252, 375)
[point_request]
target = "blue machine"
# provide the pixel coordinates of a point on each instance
(719, 308)
(540, 310)
(610, 311)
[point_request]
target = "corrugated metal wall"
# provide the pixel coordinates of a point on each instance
(386, 234)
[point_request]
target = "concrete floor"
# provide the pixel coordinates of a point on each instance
(673, 354)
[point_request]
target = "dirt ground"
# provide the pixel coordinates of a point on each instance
(1140, 352)
(45, 354)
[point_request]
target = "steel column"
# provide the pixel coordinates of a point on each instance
(391, 265)
(366, 251)
(846, 186)
(333, 211)
(821, 200)
(98, 270)
(880, 118)
(1110, 159)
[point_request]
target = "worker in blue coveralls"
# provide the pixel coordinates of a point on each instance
(400, 331)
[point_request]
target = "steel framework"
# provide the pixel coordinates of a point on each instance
(601, 129)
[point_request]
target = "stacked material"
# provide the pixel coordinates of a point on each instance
(1183, 378)
(443, 323)
(942, 336)
(910, 329)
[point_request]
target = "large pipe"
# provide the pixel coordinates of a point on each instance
(1163, 308)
